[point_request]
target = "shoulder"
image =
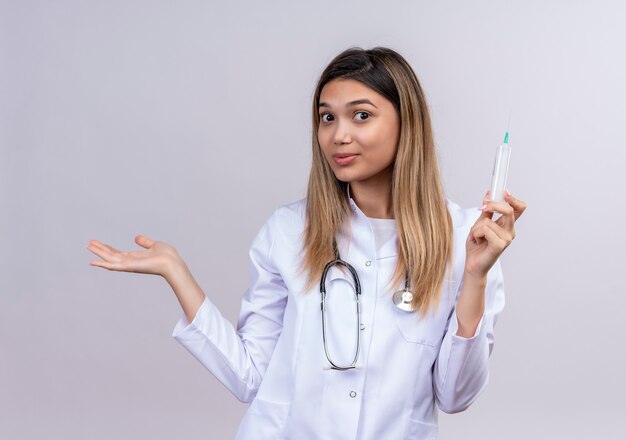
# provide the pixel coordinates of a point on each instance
(284, 229)
(290, 212)
(292, 215)
(283, 225)
(289, 217)
(462, 217)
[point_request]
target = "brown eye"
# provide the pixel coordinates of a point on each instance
(363, 113)
(322, 117)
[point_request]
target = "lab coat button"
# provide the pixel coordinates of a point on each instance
(362, 326)
(352, 394)
(368, 263)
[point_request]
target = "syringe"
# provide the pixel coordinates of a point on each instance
(500, 170)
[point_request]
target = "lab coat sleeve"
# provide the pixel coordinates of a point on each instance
(238, 358)
(461, 370)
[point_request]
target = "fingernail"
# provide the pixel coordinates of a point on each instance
(482, 208)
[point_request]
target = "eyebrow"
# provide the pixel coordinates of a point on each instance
(351, 103)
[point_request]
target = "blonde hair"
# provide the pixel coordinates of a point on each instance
(424, 226)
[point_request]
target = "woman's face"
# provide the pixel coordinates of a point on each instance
(356, 120)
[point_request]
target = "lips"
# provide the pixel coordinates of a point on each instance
(344, 158)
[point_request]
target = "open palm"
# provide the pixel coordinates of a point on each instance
(154, 260)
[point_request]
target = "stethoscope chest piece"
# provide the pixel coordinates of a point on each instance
(402, 299)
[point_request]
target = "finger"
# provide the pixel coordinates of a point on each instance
(503, 231)
(107, 265)
(518, 205)
(507, 226)
(485, 231)
(103, 253)
(105, 246)
(484, 213)
(144, 241)
(489, 207)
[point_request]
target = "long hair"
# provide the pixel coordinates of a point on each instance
(424, 225)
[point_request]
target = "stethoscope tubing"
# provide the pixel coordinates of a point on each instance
(357, 288)
(398, 299)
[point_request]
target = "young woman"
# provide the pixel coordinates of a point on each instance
(371, 301)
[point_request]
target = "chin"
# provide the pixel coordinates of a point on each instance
(351, 176)
(345, 177)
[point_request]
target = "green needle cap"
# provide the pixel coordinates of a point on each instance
(506, 138)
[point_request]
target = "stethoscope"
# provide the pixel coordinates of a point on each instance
(402, 299)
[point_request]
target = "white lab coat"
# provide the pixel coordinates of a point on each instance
(275, 357)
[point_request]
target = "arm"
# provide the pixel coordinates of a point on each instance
(238, 357)
(461, 370)
(189, 294)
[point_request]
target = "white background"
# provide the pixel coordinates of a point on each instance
(190, 122)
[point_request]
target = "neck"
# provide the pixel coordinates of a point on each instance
(373, 197)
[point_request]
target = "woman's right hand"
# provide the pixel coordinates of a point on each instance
(157, 259)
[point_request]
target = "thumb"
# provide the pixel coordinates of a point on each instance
(144, 241)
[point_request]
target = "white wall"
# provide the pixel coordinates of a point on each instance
(189, 122)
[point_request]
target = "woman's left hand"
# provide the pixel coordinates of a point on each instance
(487, 239)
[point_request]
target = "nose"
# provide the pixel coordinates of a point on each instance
(341, 135)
